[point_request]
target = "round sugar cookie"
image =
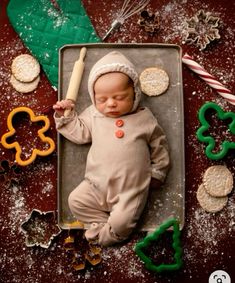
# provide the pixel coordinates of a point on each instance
(209, 203)
(25, 68)
(154, 81)
(218, 181)
(24, 87)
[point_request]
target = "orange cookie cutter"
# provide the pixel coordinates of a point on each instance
(41, 132)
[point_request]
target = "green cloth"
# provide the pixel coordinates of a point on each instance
(44, 29)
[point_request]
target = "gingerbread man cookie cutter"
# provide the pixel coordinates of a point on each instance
(41, 132)
(225, 145)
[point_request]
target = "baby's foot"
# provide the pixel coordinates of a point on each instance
(93, 231)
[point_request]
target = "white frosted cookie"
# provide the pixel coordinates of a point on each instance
(154, 81)
(25, 68)
(209, 203)
(24, 87)
(218, 181)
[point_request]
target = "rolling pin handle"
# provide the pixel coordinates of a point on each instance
(82, 54)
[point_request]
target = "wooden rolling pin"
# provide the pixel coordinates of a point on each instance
(75, 79)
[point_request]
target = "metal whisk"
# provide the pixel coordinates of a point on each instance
(129, 8)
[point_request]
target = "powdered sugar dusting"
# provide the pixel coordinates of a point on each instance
(207, 241)
(204, 228)
(18, 208)
(55, 14)
(48, 186)
(115, 256)
(206, 237)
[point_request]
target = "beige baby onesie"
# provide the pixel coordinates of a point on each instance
(125, 153)
(118, 170)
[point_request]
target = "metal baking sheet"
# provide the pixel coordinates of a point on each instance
(167, 108)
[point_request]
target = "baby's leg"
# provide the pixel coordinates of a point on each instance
(85, 206)
(123, 217)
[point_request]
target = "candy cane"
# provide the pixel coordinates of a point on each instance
(208, 78)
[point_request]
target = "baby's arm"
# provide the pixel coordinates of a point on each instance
(76, 128)
(159, 153)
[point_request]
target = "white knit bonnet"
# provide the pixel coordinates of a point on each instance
(114, 62)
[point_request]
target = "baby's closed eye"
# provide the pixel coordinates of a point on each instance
(120, 97)
(100, 99)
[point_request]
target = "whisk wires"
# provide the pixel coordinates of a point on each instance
(135, 6)
(129, 8)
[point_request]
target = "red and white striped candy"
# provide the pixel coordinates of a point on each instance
(209, 79)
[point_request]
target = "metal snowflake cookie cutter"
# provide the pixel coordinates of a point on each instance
(202, 28)
(149, 21)
(226, 145)
(40, 228)
(153, 237)
(41, 135)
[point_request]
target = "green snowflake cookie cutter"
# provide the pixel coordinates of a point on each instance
(140, 246)
(226, 145)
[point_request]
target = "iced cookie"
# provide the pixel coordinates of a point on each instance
(218, 181)
(154, 81)
(24, 87)
(208, 202)
(25, 68)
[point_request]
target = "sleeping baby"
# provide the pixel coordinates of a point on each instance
(128, 148)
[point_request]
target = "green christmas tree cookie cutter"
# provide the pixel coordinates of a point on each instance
(140, 246)
(225, 145)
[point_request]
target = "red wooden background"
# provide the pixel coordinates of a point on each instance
(208, 240)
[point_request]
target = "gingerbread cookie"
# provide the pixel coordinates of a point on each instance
(218, 181)
(154, 81)
(208, 202)
(25, 68)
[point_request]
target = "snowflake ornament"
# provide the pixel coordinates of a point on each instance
(202, 28)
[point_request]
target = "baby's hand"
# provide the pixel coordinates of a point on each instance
(63, 105)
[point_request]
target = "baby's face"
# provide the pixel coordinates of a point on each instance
(114, 94)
